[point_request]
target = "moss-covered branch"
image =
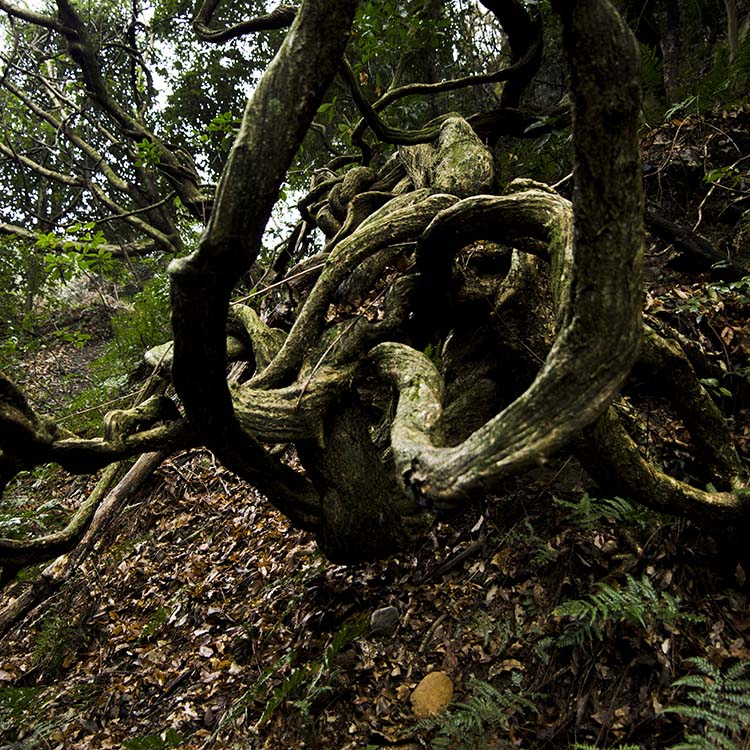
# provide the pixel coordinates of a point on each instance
(598, 300)
(402, 219)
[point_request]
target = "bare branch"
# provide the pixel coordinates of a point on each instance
(30, 440)
(279, 18)
(83, 53)
(100, 164)
(38, 19)
(98, 160)
(39, 169)
(613, 454)
(132, 217)
(429, 132)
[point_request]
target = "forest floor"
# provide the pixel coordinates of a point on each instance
(562, 614)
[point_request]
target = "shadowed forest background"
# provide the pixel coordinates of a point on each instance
(374, 374)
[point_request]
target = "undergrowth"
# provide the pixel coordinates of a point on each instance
(16, 708)
(135, 329)
(21, 513)
(637, 603)
(146, 323)
(587, 511)
(467, 725)
(717, 706)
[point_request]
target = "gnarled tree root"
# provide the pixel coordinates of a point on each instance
(611, 455)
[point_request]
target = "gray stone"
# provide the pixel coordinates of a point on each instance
(384, 621)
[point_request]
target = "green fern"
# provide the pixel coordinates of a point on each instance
(306, 682)
(652, 71)
(637, 603)
(719, 701)
(587, 746)
(254, 692)
(464, 726)
(16, 704)
(541, 648)
(291, 685)
(587, 511)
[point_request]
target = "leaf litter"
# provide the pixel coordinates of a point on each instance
(209, 618)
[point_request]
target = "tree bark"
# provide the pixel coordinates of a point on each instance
(275, 121)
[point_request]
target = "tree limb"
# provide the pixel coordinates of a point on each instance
(83, 53)
(525, 38)
(429, 132)
(599, 288)
(38, 19)
(279, 18)
(275, 121)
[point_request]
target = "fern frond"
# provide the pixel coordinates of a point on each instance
(708, 715)
(462, 725)
(541, 648)
(588, 746)
(637, 603)
(587, 510)
(718, 701)
(721, 741)
(695, 743)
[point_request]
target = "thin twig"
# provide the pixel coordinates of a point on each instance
(283, 281)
